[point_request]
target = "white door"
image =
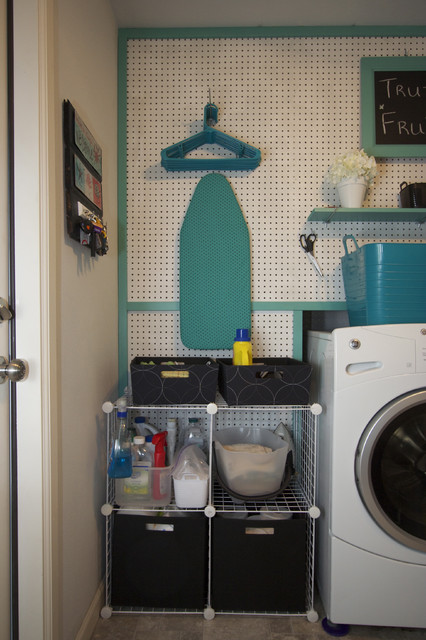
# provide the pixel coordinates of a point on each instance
(31, 195)
(4, 347)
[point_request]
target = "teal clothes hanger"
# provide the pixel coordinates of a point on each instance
(246, 157)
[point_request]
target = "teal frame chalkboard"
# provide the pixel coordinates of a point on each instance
(368, 125)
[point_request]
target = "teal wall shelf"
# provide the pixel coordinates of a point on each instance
(336, 214)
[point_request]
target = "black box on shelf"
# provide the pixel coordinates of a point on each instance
(259, 565)
(413, 195)
(268, 381)
(185, 381)
(159, 561)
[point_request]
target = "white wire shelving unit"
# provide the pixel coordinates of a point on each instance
(296, 501)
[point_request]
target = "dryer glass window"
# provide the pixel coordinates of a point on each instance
(398, 471)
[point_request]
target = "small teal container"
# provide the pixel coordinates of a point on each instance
(385, 283)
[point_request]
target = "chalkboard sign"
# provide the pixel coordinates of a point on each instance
(393, 106)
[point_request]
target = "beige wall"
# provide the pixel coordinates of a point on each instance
(86, 55)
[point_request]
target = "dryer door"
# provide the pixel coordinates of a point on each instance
(390, 469)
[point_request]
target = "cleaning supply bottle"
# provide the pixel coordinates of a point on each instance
(149, 445)
(171, 439)
(120, 465)
(143, 427)
(139, 484)
(158, 489)
(194, 434)
(132, 431)
(242, 351)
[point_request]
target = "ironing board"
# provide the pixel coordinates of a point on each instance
(215, 270)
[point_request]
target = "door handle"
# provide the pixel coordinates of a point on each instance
(5, 312)
(15, 370)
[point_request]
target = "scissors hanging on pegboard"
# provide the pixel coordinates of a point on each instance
(307, 242)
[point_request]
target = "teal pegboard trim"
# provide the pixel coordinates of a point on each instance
(287, 305)
(153, 306)
(279, 305)
(297, 308)
(122, 213)
(298, 335)
(277, 32)
(366, 214)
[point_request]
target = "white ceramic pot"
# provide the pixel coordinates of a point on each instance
(352, 192)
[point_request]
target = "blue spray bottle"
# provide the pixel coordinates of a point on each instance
(120, 465)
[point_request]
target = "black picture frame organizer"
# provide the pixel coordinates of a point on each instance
(83, 184)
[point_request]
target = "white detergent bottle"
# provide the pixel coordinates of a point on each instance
(143, 427)
(139, 484)
(194, 434)
(171, 439)
(149, 445)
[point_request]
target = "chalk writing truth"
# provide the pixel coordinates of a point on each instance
(400, 107)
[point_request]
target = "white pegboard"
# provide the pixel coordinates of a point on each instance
(297, 99)
(158, 335)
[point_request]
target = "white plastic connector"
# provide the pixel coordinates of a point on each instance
(314, 512)
(212, 408)
(107, 407)
(106, 612)
(107, 509)
(316, 409)
(209, 613)
(210, 511)
(312, 615)
(122, 403)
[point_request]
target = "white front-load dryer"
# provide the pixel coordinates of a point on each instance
(371, 473)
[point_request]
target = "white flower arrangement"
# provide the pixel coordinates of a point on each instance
(353, 164)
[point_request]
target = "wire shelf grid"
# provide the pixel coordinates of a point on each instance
(296, 500)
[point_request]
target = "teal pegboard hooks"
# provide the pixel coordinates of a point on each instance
(174, 158)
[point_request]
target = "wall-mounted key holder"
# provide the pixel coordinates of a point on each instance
(83, 184)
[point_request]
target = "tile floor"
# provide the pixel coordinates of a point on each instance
(234, 627)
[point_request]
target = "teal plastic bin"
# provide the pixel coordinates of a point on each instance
(385, 283)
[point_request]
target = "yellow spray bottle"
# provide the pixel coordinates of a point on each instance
(242, 348)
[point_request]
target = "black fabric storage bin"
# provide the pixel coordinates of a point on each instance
(155, 568)
(267, 381)
(259, 572)
(413, 195)
(192, 381)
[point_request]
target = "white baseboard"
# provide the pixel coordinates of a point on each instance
(92, 616)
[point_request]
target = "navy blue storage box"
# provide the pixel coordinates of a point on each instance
(269, 381)
(259, 565)
(191, 381)
(159, 561)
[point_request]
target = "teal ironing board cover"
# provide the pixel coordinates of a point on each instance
(215, 270)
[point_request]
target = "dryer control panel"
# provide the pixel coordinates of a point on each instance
(421, 350)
